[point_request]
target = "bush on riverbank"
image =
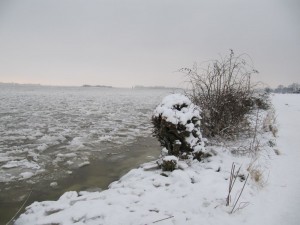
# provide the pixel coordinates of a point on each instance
(225, 92)
(177, 126)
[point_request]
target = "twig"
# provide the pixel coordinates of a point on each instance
(240, 194)
(242, 205)
(235, 176)
(20, 208)
(232, 180)
(163, 219)
(230, 184)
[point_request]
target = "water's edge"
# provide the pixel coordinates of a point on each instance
(99, 174)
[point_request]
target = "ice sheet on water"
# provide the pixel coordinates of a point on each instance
(45, 126)
(21, 163)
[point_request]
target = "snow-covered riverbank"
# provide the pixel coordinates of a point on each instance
(196, 192)
(279, 201)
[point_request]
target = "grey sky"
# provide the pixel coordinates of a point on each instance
(131, 42)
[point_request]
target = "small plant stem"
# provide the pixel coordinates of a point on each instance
(240, 194)
(9, 222)
(163, 219)
(232, 180)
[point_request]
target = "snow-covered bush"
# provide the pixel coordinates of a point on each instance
(169, 163)
(177, 126)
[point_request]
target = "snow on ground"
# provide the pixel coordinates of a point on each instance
(279, 201)
(195, 195)
(196, 192)
(45, 128)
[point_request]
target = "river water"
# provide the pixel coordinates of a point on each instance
(55, 139)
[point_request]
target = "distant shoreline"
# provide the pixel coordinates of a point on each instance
(101, 86)
(88, 86)
(153, 87)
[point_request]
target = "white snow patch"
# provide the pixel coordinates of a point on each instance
(170, 158)
(26, 175)
(166, 109)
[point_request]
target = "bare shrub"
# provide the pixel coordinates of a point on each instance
(262, 100)
(224, 91)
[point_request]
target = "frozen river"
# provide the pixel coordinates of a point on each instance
(45, 129)
(74, 137)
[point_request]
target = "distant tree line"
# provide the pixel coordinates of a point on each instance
(153, 87)
(101, 86)
(292, 88)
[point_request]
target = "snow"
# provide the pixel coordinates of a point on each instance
(280, 199)
(166, 109)
(196, 192)
(170, 158)
(26, 175)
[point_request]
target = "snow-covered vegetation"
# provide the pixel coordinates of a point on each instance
(177, 126)
(222, 189)
(225, 92)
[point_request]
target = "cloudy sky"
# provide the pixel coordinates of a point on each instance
(144, 42)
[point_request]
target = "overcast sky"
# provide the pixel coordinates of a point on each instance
(144, 42)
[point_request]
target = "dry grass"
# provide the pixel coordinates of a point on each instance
(269, 122)
(257, 173)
